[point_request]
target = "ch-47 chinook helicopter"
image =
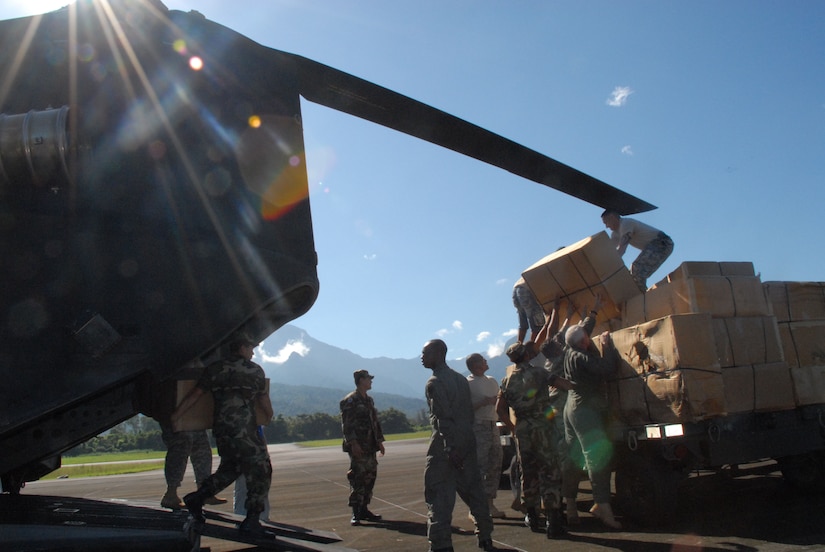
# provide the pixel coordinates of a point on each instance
(149, 210)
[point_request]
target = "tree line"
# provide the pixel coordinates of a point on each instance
(143, 433)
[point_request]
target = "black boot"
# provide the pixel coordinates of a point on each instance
(366, 515)
(531, 520)
(554, 524)
(356, 516)
(251, 525)
(194, 503)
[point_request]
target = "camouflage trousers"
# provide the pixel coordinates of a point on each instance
(180, 448)
(488, 450)
(362, 473)
(247, 457)
(650, 259)
(538, 442)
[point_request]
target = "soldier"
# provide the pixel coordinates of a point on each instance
(526, 390)
(363, 438)
(452, 465)
(238, 385)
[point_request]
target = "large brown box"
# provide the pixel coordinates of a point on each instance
(804, 346)
(744, 340)
(200, 415)
(720, 296)
(690, 269)
(579, 272)
(758, 387)
(796, 301)
(676, 356)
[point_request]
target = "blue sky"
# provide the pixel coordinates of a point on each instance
(713, 111)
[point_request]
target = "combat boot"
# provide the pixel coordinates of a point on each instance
(572, 512)
(171, 499)
(531, 520)
(251, 525)
(215, 500)
(194, 503)
(356, 516)
(554, 524)
(366, 515)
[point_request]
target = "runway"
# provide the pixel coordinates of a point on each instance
(310, 489)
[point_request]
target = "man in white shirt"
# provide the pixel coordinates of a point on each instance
(655, 245)
(483, 393)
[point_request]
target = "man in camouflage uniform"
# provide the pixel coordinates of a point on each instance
(363, 438)
(452, 465)
(238, 385)
(526, 391)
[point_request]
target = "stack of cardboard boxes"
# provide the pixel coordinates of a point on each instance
(703, 342)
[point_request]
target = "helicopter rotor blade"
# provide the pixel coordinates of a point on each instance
(332, 88)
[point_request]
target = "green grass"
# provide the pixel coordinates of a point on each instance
(117, 463)
(396, 437)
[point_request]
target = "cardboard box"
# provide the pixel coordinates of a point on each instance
(747, 340)
(626, 396)
(681, 341)
(676, 357)
(579, 272)
(690, 269)
(759, 387)
(200, 415)
(685, 395)
(796, 301)
(804, 348)
(720, 296)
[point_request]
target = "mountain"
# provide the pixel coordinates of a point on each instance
(294, 358)
(294, 400)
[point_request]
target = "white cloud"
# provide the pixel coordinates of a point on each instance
(370, 257)
(482, 336)
(619, 96)
(627, 150)
(292, 346)
(510, 333)
(458, 326)
(443, 332)
(502, 281)
(495, 349)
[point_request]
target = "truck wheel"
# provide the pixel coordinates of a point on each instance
(646, 490)
(806, 471)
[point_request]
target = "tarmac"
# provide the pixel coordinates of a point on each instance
(753, 512)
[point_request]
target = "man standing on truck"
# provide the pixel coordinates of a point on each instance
(530, 313)
(656, 246)
(363, 439)
(526, 389)
(238, 386)
(585, 436)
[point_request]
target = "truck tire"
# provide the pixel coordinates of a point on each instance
(646, 490)
(805, 472)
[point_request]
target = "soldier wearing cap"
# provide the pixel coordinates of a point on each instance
(237, 385)
(363, 438)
